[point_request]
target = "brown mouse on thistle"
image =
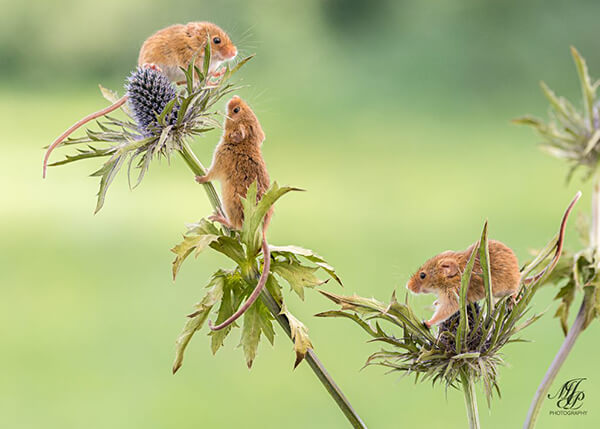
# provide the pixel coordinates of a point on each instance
(441, 275)
(168, 50)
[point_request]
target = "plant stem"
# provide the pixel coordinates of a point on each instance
(595, 227)
(275, 309)
(559, 359)
(578, 324)
(198, 169)
(470, 400)
(315, 364)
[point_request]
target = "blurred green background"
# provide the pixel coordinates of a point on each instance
(394, 115)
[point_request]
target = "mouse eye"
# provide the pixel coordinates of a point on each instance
(216, 40)
(236, 109)
(422, 275)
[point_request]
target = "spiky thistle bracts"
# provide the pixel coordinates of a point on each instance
(149, 92)
(449, 327)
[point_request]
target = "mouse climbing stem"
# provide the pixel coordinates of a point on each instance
(274, 308)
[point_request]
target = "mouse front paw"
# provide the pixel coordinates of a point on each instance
(202, 179)
(221, 219)
(220, 72)
(152, 66)
(427, 324)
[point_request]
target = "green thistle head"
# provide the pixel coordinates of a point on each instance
(571, 134)
(469, 343)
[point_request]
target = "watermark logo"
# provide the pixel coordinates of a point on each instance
(569, 398)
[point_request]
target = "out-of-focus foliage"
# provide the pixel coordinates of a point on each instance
(570, 134)
(573, 135)
(476, 42)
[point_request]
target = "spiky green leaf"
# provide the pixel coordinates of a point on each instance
(299, 336)
(199, 316)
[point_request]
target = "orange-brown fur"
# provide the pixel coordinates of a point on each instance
(173, 47)
(442, 276)
(238, 161)
(168, 50)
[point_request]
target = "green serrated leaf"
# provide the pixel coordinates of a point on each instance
(113, 97)
(308, 254)
(191, 243)
(254, 214)
(231, 248)
(107, 174)
(299, 335)
(109, 94)
(357, 303)
(92, 152)
(199, 316)
(298, 276)
(274, 289)
(251, 331)
(232, 288)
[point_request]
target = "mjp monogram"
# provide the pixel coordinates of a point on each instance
(569, 397)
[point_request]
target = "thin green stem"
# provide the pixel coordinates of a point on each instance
(470, 400)
(595, 226)
(559, 359)
(578, 325)
(198, 169)
(311, 358)
(315, 364)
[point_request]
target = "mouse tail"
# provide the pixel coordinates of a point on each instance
(559, 244)
(77, 125)
(262, 281)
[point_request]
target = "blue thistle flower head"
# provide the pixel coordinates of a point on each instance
(149, 91)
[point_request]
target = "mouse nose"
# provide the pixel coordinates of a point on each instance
(232, 52)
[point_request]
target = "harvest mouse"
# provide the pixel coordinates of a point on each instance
(237, 163)
(168, 50)
(441, 275)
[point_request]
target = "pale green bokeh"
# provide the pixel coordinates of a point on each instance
(397, 125)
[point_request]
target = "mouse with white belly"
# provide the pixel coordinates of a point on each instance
(441, 275)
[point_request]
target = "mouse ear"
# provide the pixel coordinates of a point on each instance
(237, 135)
(449, 267)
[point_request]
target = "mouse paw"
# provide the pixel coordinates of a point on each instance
(152, 66)
(427, 324)
(202, 179)
(221, 219)
(219, 73)
(215, 77)
(511, 302)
